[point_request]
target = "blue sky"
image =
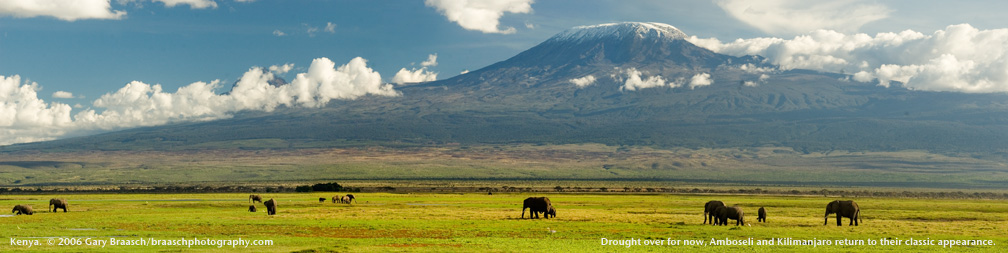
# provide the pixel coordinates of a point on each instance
(99, 47)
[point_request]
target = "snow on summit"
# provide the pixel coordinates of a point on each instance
(620, 30)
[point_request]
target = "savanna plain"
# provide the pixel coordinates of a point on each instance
(436, 199)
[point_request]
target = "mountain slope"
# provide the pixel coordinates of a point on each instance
(531, 98)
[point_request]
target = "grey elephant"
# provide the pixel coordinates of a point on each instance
(709, 211)
(58, 203)
(843, 208)
(347, 199)
(321, 200)
(254, 198)
(252, 208)
(730, 212)
(761, 215)
(23, 209)
(536, 205)
(270, 207)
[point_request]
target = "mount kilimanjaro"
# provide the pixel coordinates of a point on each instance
(615, 84)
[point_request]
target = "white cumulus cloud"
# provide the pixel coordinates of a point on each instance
(330, 27)
(26, 118)
(193, 4)
(60, 9)
(700, 80)
(62, 94)
(417, 75)
(958, 58)
(279, 33)
(635, 81)
(413, 76)
(583, 81)
(281, 69)
(797, 16)
(480, 15)
(430, 62)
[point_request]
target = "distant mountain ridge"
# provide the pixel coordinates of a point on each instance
(530, 98)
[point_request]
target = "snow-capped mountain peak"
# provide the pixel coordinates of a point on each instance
(621, 31)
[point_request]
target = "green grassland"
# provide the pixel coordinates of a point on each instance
(490, 223)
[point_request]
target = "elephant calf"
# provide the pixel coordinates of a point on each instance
(23, 209)
(550, 212)
(252, 208)
(58, 203)
(255, 198)
(761, 215)
(321, 200)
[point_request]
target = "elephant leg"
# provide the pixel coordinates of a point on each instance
(857, 215)
(838, 222)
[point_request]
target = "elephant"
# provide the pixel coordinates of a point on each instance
(335, 198)
(270, 207)
(347, 199)
(536, 205)
(252, 208)
(761, 215)
(843, 208)
(22, 209)
(255, 197)
(732, 212)
(321, 200)
(550, 212)
(58, 203)
(709, 210)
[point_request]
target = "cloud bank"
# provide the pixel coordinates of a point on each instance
(26, 118)
(796, 16)
(958, 58)
(479, 15)
(60, 9)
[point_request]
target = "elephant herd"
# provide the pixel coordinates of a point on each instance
(270, 204)
(717, 213)
(342, 200)
(55, 204)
